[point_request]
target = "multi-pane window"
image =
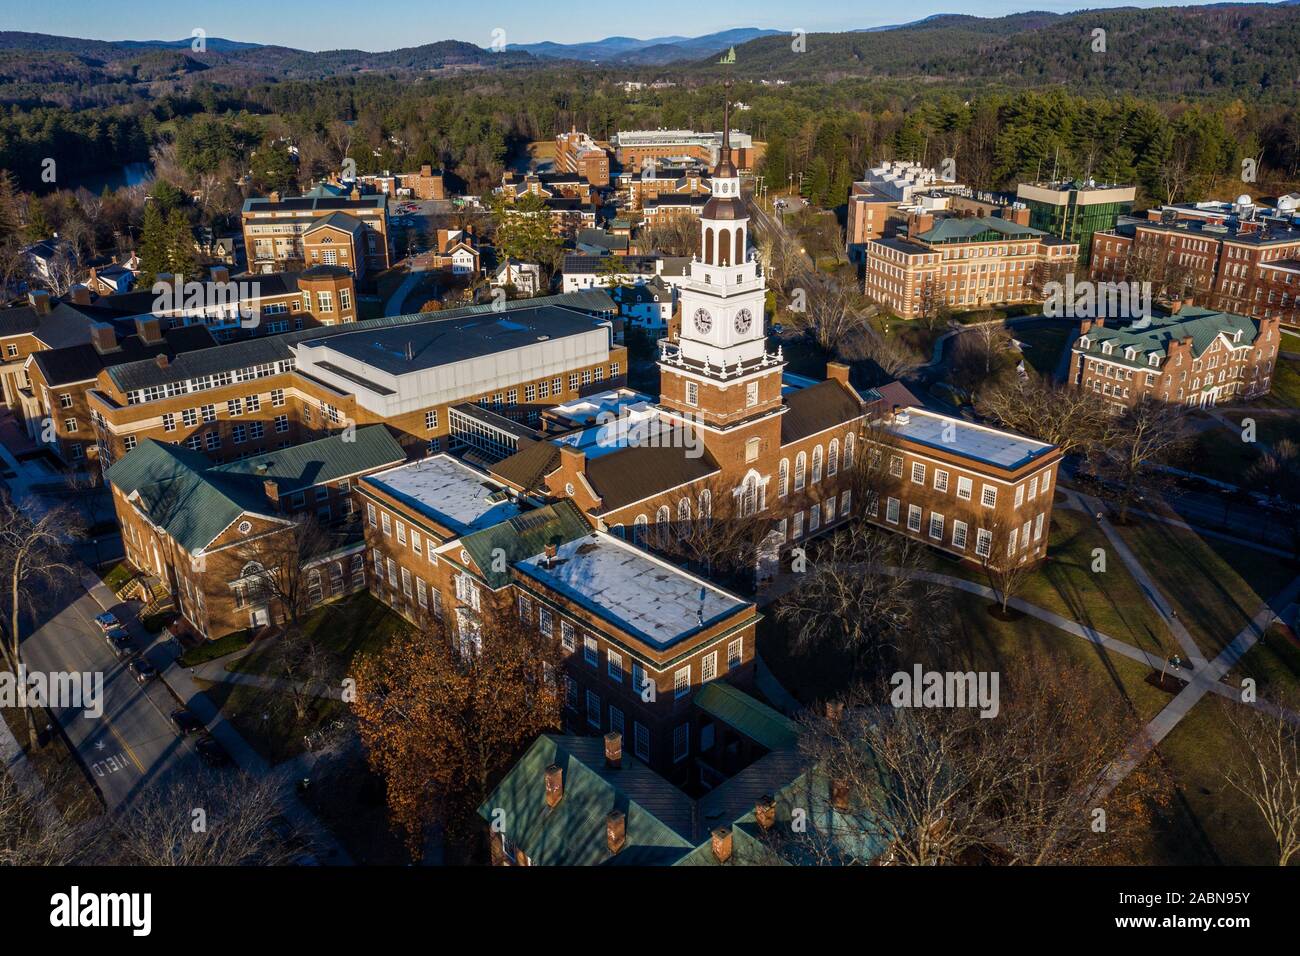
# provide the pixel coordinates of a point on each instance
(401, 532)
(590, 651)
(940, 480)
(209, 413)
(593, 709)
(568, 637)
(256, 429)
(169, 422)
(959, 535)
(983, 543)
(190, 416)
(963, 488)
(891, 510)
(235, 407)
(387, 524)
(735, 650)
(431, 419)
(989, 496)
(681, 682)
(281, 423)
(918, 473)
(614, 665)
(641, 741)
(708, 667)
(913, 517)
(681, 742)
(277, 397)
(936, 525)
(545, 622)
(783, 478)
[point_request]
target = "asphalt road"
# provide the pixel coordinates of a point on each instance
(133, 743)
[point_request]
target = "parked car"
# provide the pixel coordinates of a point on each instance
(119, 640)
(107, 621)
(186, 722)
(213, 754)
(142, 670)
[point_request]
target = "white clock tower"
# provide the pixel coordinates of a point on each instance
(720, 369)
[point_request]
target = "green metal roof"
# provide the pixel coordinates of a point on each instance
(658, 815)
(1202, 325)
(955, 229)
(757, 721)
(193, 500)
(320, 461)
(522, 537)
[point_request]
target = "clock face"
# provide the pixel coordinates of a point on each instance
(703, 321)
(744, 319)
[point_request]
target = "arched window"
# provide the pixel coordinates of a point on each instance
(724, 247)
(639, 529)
(783, 478)
(663, 517)
(708, 245)
(706, 505)
(336, 577)
(848, 450)
(800, 468)
(314, 593)
(358, 571)
(619, 531)
(684, 512)
(740, 245)
(833, 457)
(817, 464)
(749, 497)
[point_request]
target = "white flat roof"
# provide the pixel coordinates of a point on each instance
(956, 435)
(643, 596)
(452, 493)
(639, 424)
(609, 402)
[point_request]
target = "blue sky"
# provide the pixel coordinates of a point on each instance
(331, 24)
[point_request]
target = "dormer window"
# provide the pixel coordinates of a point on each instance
(1085, 342)
(1153, 359)
(1236, 336)
(1130, 353)
(1106, 348)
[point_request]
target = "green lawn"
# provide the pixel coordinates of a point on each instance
(266, 719)
(1045, 345)
(118, 575)
(1215, 586)
(1285, 389)
(211, 650)
(1208, 822)
(1274, 662)
(358, 624)
(1111, 602)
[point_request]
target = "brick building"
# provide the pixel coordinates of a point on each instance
(248, 397)
(446, 542)
(1248, 267)
(284, 234)
(205, 531)
(1195, 357)
(634, 147)
(578, 153)
(963, 263)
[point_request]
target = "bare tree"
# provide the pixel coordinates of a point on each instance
(891, 356)
(858, 589)
(1068, 417)
(44, 833)
(673, 236)
(725, 542)
(1149, 433)
(213, 819)
(1265, 769)
(944, 785)
(286, 556)
(1005, 565)
(34, 555)
(979, 357)
(830, 310)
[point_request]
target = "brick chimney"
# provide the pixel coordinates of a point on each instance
(840, 795)
(426, 170)
(149, 328)
(837, 371)
(554, 785)
(355, 194)
(550, 550)
(615, 830)
(275, 195)
(765, 811)
(103, 337)
(613, 750)
(1085, 326)
(1175, 306)
(40, 301)
(722, 844)
(160, 360)
(272, 489)
(220, 274)
(81, 294)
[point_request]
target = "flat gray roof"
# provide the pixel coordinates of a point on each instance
(414, 347)
(451, 493)
(958, 436)
(621, 583)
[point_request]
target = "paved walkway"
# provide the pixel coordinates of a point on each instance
(1149, 587)
(252, 763)
(397, 300)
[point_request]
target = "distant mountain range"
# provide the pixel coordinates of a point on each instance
(653, 52)
(1244, 48)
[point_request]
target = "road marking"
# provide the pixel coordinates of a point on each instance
(127, 747)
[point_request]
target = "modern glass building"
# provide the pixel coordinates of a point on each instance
(1073, 211)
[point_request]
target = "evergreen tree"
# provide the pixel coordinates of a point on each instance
(153, 252)
(181, 257)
